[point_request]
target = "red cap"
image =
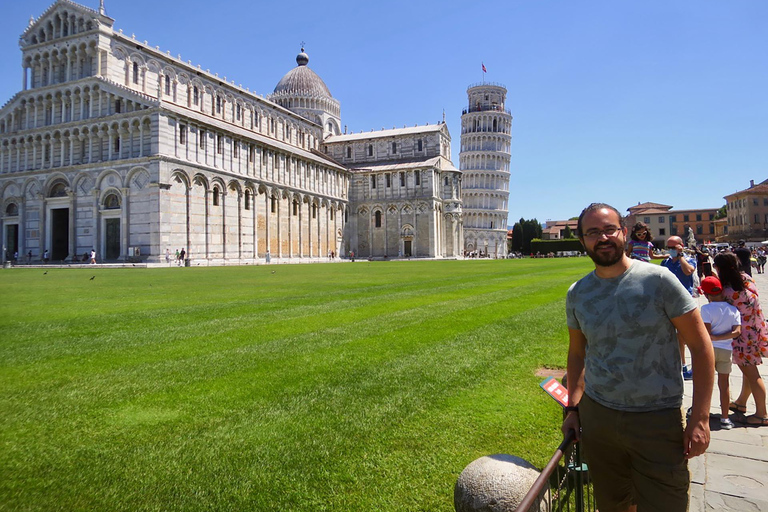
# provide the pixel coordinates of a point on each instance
(710, 285)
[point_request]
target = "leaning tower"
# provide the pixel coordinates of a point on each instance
(484, 160)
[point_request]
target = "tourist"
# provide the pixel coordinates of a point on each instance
(723, 322)
(168, 256)
(679, 263)
(93, 256)
(751, 346)
(29, 257)
(683, 267)
(762, 257)
(640, 246)
(745, 257)
(624, 382)
(182, 254)
(45, 256)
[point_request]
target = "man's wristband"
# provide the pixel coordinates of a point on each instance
(572, 408)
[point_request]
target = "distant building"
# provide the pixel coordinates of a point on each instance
(556, 229)
(748, 213)
(701, 221)
(664, 222)
(655, 215)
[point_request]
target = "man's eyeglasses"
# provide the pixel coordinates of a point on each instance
(594, 234)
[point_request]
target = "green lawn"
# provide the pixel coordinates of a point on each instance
(365, 386)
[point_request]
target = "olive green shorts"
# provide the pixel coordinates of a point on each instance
(635, 458)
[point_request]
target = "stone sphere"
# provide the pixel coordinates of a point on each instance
(494, 483)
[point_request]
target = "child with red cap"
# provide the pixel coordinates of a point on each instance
(723, 322)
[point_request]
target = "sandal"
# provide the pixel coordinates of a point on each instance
(756, 421)
(733, 406)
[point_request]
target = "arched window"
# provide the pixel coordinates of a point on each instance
(349, 152)
(421, 145)
(370, 149)
(136, 72)
(215, 196)
(394, 148)
(111, 202)
(12, 210)
(272, 204)
(295, 207)
(377, 219)
(247, 199)
(58, 190)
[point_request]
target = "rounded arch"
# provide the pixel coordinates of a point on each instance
(111, 177)
(180, 177)
(110, 199)
(138, 178)
(9, 189)
(202, 181)
(53, 181)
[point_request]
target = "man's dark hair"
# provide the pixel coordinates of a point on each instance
(594, 207)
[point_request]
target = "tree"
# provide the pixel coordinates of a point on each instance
(722, 212)
(568, 232)
(517, 236)
(523, 232)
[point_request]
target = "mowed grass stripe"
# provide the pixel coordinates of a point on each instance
(374, 402)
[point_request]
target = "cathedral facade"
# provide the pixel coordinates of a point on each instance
(116, 146)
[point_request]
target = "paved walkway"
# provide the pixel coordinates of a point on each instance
(733, 474)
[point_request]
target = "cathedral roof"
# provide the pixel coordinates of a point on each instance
(302, 81)
(378, 134)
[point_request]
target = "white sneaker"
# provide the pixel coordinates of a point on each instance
(726, 424)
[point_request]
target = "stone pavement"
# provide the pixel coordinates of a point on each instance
(733, 474)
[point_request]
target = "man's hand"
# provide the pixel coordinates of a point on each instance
(571, 422)
(695, 437)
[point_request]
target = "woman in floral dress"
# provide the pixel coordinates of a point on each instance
(752, 345)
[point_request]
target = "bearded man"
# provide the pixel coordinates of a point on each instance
(624, 381)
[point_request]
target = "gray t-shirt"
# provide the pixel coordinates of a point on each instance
(632, 355)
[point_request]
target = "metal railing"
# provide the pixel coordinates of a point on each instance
(561, 488)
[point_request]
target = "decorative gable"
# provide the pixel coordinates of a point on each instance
(63, 18)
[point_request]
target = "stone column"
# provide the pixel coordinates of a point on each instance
(96, 238)
(125, 224)
(224, 224)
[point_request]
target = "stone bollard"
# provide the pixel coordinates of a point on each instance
(495, 483)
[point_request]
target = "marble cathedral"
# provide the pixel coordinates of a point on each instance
(117, 146)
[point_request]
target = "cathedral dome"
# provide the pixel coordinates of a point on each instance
(302, 81)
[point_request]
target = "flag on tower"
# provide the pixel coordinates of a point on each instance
(484, 70)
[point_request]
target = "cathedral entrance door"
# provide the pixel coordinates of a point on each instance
(407, 248)
(59, 233)
(11, 239)
(112, 245)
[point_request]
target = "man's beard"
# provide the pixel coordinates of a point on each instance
(604, 259)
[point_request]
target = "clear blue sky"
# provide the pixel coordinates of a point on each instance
(614, 101)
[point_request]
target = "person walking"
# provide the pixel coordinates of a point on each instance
(751, 346)
(624, 381)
